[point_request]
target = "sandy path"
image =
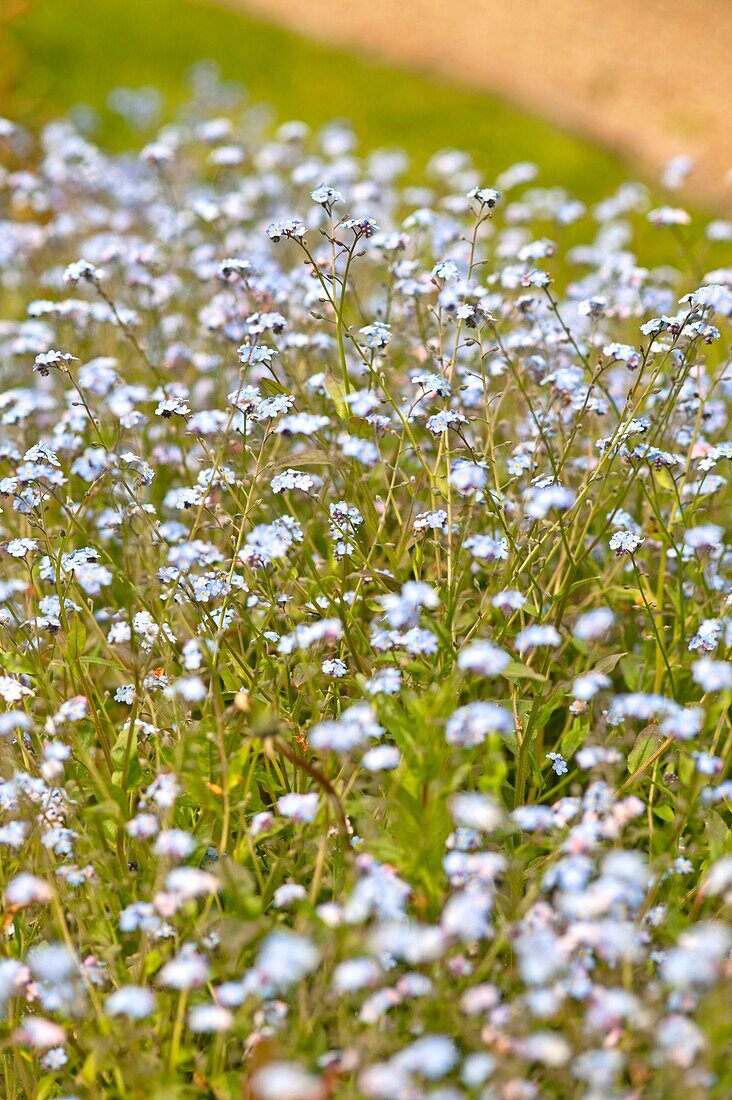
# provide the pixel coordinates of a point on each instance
(650, 77)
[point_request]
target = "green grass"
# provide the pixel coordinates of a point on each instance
(64, 52)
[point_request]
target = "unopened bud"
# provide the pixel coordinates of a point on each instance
(243, 701)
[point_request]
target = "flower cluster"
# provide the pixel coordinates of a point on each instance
(366, 612)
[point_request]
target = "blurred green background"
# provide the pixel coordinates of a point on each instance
(60, 53)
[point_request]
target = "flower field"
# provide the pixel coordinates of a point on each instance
(366, 621)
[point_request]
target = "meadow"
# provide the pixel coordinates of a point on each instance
(365, 619)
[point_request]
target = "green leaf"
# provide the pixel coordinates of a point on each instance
(226, 1086)
(717, 833)
(537, 776)
(304, 458)
(230, 679)
(573, 738)
(240, 888)
(546, 710)
(102, 661)
(607, 664)
(113, 809)
(515, 670)
(46, 1087)
(153, 959)
(646, 743)
(75, 640)
(90, 1069)
(120, 753)
(13, 662)
(632, 672)
(337, 393)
